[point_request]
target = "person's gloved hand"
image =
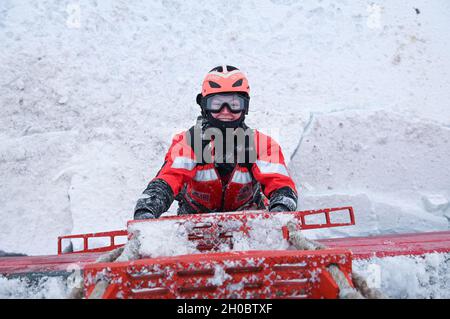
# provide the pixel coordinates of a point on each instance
(142, 214)
(279, 208)
(283, 200)
(154, 201)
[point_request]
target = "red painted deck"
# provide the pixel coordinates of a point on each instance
(14, 265)
(393, 245)
(361, 247)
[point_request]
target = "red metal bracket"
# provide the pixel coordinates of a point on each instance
(112, 235)
(244, 216)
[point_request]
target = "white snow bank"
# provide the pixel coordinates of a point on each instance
(22, 288)
(408, 276)
(392, 168)
(34, 203)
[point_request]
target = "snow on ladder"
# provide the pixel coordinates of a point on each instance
(248, 274)
(212, 230)
(227, 274)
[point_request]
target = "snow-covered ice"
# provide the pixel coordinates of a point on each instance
(408, 276)
(43, 288)
(391, 167)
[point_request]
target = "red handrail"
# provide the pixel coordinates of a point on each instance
(216, 219)
(111, 235)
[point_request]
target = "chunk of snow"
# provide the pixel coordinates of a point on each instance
(23, 288)
(409, 276)
(435, 202)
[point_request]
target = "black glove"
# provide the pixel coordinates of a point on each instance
(142, 214)
(279, 208)
(157, 198)
(285, 197)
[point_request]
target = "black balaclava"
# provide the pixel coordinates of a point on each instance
(209, 121)
(222, 125)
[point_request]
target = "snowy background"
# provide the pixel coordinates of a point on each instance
(91, 92)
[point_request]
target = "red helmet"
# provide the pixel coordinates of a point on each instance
(225, 78)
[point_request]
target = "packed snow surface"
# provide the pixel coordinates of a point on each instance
(44, 288)
(391, 168)
(408, 276)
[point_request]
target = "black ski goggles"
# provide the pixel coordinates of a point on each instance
(235, 102)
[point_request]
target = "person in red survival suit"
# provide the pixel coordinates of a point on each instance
(220, 164)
